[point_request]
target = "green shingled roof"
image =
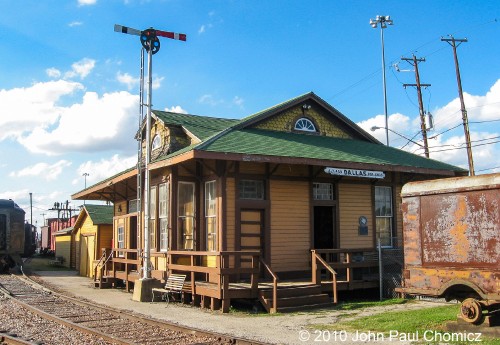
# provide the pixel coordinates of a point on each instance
(236, 136)
(201, 126)
(273, 143)
(100, 214)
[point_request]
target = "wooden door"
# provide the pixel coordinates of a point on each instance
(87, 245)
(251, 233)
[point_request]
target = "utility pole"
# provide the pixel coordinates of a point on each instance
(31, 208)
(414, 62)
(453, 42)
(383, 21)
(85, 174)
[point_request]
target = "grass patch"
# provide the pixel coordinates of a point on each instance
(355, 305)
(410, 322)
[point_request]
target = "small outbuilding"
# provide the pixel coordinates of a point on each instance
(64, 240)
(93, 231)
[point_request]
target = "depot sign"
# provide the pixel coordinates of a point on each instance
(355, 173)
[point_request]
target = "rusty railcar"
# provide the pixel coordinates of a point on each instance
(452, 242)
(11, 234)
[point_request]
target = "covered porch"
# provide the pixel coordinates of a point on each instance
(213, 279)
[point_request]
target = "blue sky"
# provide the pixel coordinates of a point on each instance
(69, 83)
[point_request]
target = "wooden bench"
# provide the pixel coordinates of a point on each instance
(174, 285)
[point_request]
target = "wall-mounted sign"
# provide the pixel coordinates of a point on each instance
(355, 172)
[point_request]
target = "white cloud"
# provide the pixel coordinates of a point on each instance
(157, 82)
(17, 195)
(176, 109)
(238, 101)
(209, 99)
(127, 79)
(33, 107)
(97, 123)
(201, 29)
(86, 2)
(398, 123)
(75, 23)
(53, 72)
(447, 141)
(44, 170)
(104, 168)
(81, 68)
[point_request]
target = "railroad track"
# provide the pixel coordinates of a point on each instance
(104, 325)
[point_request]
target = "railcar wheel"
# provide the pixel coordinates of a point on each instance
(471, 311)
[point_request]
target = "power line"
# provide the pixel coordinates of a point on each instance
(488, 169)
(464, 147)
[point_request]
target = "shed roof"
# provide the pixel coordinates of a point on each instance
(100, 214)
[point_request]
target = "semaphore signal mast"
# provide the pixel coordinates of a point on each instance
(151, 43)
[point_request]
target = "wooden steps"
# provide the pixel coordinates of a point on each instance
(294, 298)
(105, 282)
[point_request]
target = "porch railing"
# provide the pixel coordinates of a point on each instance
(275, 285)
(343, 260)
(219, 265)
(316, 274)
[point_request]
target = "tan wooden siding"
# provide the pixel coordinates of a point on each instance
(252, 168)
(121, 205)
(230, 229)
(105, 238)
(290, 225)
(88, 228)
(355, 200)
(291, 170)
(63, 248)
(77, 250)
(74, 248)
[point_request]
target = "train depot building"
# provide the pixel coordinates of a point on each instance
(285, 206)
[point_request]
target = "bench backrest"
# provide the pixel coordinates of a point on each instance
(175, 282)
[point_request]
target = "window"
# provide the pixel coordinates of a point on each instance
(152, 217)
(383, 214)
(186, 215)
(323, 191)
(211, 215)
(251, 189)
(133, 206)
(163, 215)
(120, 240)
(305, 125)
(156, 142)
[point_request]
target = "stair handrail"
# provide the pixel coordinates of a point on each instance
(103, 264)
(316, 257)
(275, 284)
(98, 263)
